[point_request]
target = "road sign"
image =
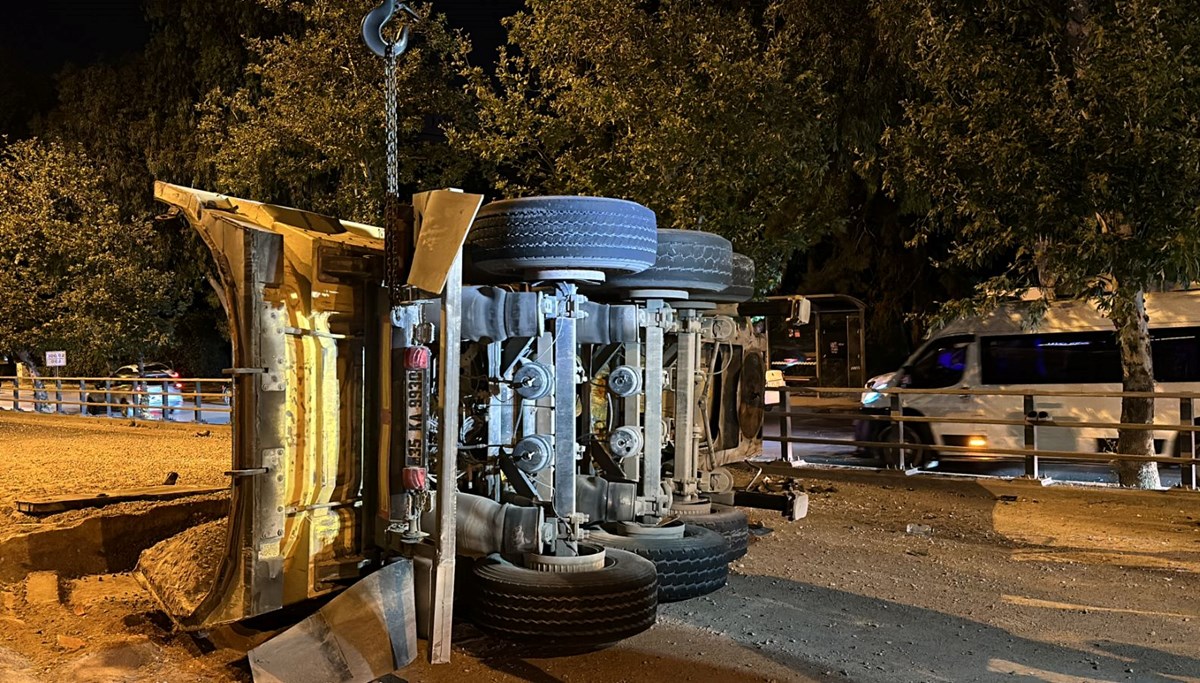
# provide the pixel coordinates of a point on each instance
(56, 359)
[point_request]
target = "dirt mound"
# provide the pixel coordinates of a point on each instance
(182, 569)
(102, 541)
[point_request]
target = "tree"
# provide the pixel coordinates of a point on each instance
(1060, 140)
(306, 127)
(140, 116)
(872, 257)
(76, 276)
(700, 110)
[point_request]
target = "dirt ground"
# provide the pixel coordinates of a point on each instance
(53, 454)
(992, 581)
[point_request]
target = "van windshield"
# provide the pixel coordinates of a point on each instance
(939, 365)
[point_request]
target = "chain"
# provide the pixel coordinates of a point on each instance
(392, 217)
(393, 125)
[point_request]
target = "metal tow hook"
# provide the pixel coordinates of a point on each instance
(376, 19)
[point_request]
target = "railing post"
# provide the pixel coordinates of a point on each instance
(1187, 443)
(83, 397)
(58, 408)
(897, 413)
(108, 398)
(785, 426)
(1033, 468)
(199, 402)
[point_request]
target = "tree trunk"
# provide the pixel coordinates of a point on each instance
(1137, 374)
(40, 396)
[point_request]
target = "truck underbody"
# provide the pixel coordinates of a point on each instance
(555, 403)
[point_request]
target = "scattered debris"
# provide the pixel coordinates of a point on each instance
(1009, 498)
(204, 433)
(343, 642)
(758, 529)
(41, 588)
(70, 643)
(919, 530)
(172, 478)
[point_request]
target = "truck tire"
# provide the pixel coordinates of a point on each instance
(569, 609)
(688, 260)
(514, 236)
(687, 567)
(741, 287)
(731, 523)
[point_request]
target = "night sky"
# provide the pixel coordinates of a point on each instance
(38, 37)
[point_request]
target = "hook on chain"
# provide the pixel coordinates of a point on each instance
(376, 19)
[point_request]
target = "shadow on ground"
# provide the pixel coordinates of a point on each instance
(669, 653)
(857, 638)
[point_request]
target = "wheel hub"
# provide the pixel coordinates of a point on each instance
(589, 559)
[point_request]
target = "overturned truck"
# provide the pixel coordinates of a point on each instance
(548, 388)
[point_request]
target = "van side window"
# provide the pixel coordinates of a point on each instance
(940, 365)
(1176, 354)
(1060, 358)
(1085, 357)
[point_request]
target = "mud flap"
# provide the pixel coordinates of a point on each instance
(367, 631)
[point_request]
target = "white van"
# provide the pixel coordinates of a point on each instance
(1072, 348)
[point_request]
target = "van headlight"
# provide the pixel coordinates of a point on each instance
(875, 386)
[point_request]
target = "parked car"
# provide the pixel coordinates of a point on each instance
(153, 390)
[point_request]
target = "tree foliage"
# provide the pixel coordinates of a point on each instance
(76, 276)
(699, 110)
(1059, 142)
(846, 45)
(305, 126)
(139, 116)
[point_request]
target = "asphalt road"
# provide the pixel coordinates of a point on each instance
(847, 456)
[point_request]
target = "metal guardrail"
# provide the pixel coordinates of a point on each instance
(121, 397)
(1031, 423)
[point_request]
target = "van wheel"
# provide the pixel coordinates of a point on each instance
(913, 457)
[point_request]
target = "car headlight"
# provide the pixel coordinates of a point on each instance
(875, 386)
